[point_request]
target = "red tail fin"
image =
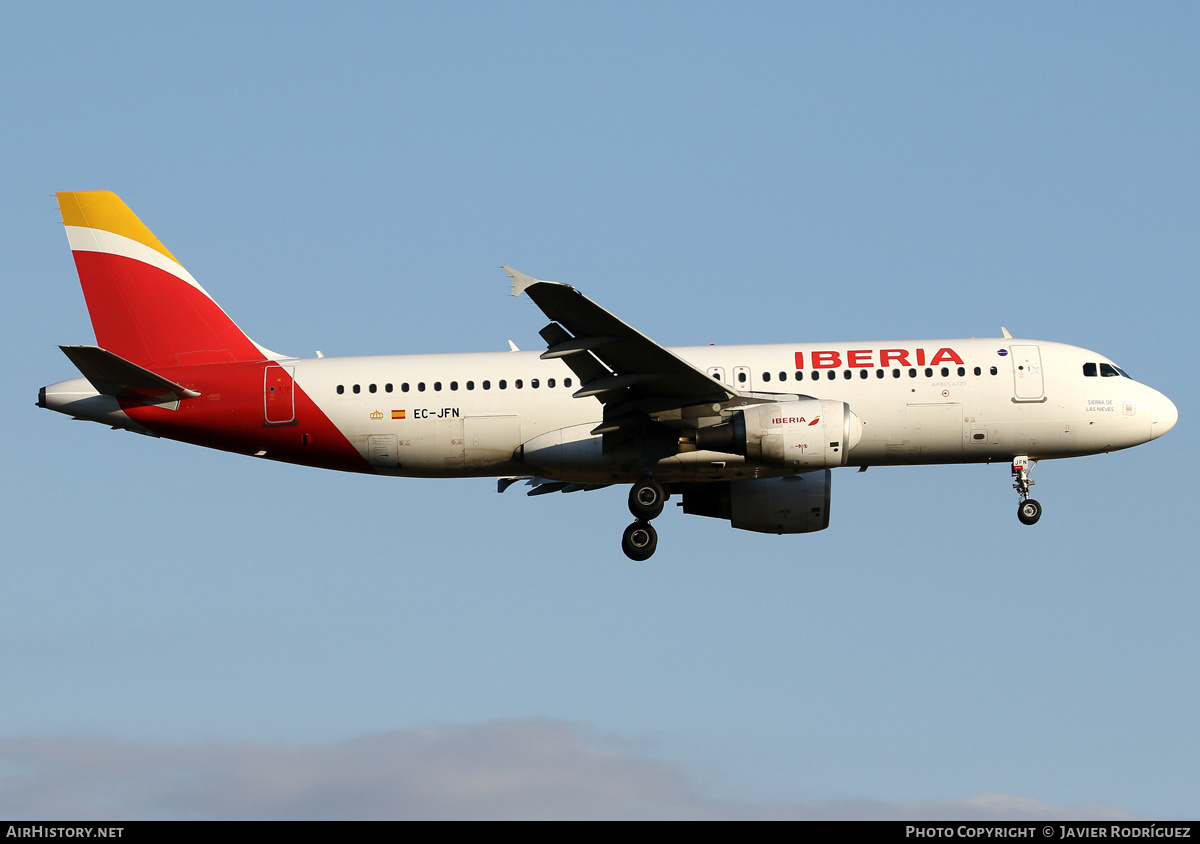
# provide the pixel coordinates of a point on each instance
(144, 305)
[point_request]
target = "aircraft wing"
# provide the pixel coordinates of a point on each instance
(630, 374)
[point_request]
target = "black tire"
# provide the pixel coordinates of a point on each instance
(639, 541)
(646, 499)
(1029, 511)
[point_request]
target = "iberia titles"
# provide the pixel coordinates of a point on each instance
(867, 358)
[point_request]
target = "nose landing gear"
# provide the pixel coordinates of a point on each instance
(646, 500)
(1028, 510)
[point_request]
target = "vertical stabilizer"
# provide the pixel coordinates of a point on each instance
(145, 307)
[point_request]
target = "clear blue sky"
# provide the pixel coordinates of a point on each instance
(192, 634)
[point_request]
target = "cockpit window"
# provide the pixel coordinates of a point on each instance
(1107, 370)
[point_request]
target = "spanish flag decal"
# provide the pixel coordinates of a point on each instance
(397, 414)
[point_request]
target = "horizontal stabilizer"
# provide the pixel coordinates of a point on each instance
(112, 375)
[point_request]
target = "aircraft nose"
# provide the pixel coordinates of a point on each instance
(1163, 416)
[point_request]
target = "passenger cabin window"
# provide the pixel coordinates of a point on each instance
(387, 388)
(766, 376)
(978, 371)
(341, 389)
(995, 371)
(533, 383)
(487, 385)
(783, 376)
(470, 385)
(356, 388)
(550, 382)
(437, 386)
(404, 387)
(454, 386)
(566, 382)
(371, 388)
(420, 386)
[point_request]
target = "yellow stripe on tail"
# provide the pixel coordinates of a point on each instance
(104, 210)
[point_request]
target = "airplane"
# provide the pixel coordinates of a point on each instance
(747, 433)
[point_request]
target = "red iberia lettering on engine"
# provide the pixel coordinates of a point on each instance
(859, 357)
(899, 356)
(944, 355)
(826, 360)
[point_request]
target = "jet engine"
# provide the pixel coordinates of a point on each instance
(792, 504)
(802, 435)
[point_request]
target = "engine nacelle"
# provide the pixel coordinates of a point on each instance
(801, 435)
(792, 504)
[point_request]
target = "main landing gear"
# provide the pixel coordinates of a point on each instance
(1028, 511)
(646, 500)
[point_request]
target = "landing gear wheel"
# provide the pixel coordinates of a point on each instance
(646, 499)
(639, 541)
(1029, 511)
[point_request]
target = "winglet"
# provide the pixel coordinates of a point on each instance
(1007, 336)
(522, 282)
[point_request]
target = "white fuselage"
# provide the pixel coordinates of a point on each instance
(465, 414)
